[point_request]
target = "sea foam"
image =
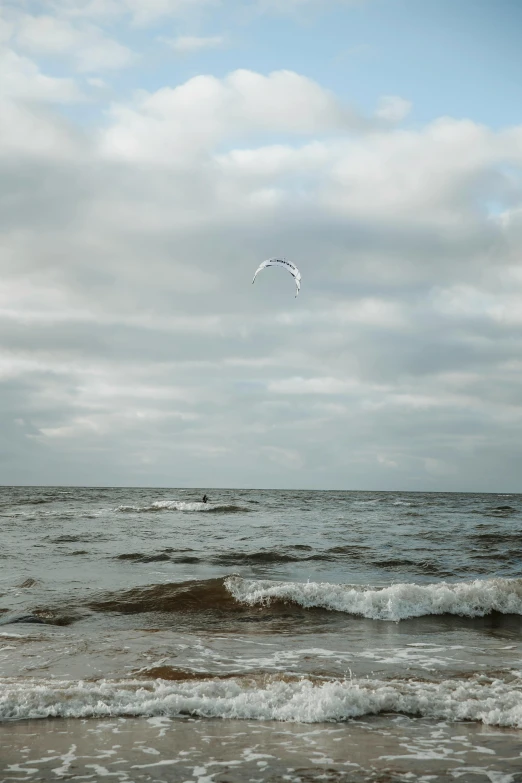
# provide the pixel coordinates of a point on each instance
(180, 505)
(490, 701)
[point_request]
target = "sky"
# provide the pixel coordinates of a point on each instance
(154, 152)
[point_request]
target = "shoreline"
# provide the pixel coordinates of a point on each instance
(193, 750)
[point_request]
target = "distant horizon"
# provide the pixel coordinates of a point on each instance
(256, 489)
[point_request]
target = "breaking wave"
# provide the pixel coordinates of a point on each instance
(179, 505)
(397, 602)
(489, 701)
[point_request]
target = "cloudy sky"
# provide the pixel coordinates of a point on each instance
(154, 152)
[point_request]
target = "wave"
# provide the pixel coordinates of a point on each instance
(298, 553)
(191, 596)
(354, 550)
(34, 501)
(421, 566)
(397, 602)
(30, 582)
(158, 557)
(295, 554)
(263, 556)
(74, 539)
(497, 539)
(179, 505)
(266, 698)
(140, 557)
(166, 672)
(40, 617)
(235, 594)
(501, 511)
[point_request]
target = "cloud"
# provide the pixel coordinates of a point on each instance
(87, 45)
(191, 44)
(197, 115)
(148, 12)
(393, 108)
(139, 12)
(312, 386)
(20, 78)
(287, 458)
(6, 30)
(145, 12)
(98, 84)
(133, 347)
(293, 6)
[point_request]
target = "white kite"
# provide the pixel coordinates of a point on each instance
(281, 262)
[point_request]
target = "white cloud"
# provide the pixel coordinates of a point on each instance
(46, 34)
(363, 311)
(102, 54)
(147, 11)
(383, 459)
(20, 78)
(292, 6)
(87, 45)
(313, 386)
(140, 12)
(288, 458)
(441, 173)
(191, 44)
(98, 84)
(6, 30)
(195, 116)
(393, 108)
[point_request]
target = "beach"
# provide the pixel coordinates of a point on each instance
(162, 749)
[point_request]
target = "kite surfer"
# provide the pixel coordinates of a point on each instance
(205, 498)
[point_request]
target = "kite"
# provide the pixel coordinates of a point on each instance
(281, 262)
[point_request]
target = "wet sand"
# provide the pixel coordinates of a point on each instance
(385, 749)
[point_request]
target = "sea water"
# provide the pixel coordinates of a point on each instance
(264, 635)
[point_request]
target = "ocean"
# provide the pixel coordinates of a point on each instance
(264, 636)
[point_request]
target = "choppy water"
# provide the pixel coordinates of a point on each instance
(296, 607)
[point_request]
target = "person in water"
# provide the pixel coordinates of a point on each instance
(205, 498)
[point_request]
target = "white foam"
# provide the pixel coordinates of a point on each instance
(397, 602)
(492, 775)
(180, 505)
(491, 702)
(170, 505)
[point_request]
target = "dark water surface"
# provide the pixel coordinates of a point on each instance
(348, 617)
